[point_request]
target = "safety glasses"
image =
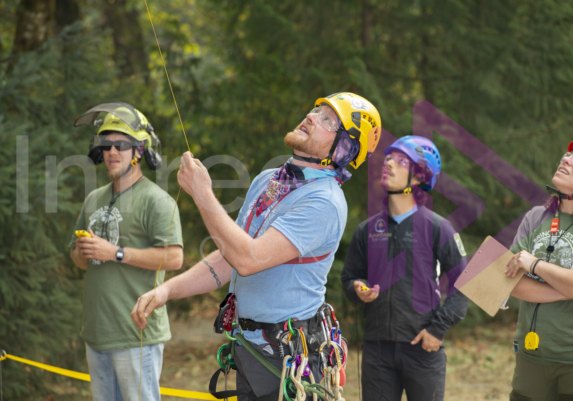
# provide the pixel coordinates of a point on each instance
(119, 145)
(327, 118)
(399, 158)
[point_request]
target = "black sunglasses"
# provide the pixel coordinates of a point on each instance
(119, 145)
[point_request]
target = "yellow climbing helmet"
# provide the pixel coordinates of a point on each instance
(112, 122)
(126, 119)
(359, 118)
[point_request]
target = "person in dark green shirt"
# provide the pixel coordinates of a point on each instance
(129, 222)
(544, 249)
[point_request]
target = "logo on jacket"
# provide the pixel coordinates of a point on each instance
(380, 226)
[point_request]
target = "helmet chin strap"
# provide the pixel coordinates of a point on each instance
(405, 191)
(134, 161)
(559, 193)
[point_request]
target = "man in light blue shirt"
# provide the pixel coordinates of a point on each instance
(278, 253)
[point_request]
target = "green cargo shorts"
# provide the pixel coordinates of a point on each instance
(539, 382)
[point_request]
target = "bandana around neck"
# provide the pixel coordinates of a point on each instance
(286, 179)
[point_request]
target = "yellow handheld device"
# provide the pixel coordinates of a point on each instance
(531, 341)
(532, 338)
(82, 233)
(364, 288)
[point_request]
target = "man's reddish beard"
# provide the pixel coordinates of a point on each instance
(309, 145)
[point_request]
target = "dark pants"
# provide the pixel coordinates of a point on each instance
(257, 380)
(389, 368)
(541, 382)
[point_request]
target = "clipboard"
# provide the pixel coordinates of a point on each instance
(484, 281)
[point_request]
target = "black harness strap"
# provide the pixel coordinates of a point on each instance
(222, 394)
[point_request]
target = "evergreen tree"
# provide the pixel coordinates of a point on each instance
(40, 294)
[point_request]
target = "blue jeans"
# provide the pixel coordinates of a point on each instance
(115, 373)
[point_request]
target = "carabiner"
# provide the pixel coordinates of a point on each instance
(333, 315)
(303, 341)
(233, 328)
(292, 331)
(335, 335)
(229, 359)
(3, 355)
(287, 387)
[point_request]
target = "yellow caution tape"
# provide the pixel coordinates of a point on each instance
(85, 377)
(53, 369)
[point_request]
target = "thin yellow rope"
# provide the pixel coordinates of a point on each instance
(178, 193)
(167, 75)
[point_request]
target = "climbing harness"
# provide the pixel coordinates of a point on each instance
(296, 378)
(296, 340)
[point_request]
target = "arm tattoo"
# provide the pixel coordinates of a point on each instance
(213, 273)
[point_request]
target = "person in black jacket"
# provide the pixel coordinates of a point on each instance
(408, 255)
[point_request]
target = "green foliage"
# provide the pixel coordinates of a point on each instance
(40, 295)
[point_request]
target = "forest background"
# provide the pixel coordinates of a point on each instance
(244, 73)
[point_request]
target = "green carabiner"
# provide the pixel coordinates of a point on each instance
(221, 349)
(288, 386)
(292, 331)
(229, 336)
(234, 326)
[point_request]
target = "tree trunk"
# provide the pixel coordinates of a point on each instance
(33, 24)
(66, 13)
(33, 19)
(130, 54)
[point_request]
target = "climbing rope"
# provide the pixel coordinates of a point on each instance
(178, 192)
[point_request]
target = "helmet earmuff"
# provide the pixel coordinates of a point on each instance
(152, 158)
(152, 153)
(95, 153)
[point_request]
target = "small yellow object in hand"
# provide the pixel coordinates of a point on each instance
(82, 233)
(531, 341)
(364, 288)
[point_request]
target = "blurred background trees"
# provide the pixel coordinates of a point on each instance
(244, 73)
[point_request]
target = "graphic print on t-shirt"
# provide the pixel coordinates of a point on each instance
(561, 256)
(97, 223)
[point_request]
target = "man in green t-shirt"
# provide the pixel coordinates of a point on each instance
(544, 337)
(130, 237)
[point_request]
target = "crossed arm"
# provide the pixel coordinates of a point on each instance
(558, 284)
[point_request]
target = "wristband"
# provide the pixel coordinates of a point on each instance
(531, 266)
(532, 271)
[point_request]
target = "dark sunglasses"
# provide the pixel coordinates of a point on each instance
(119, 145)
